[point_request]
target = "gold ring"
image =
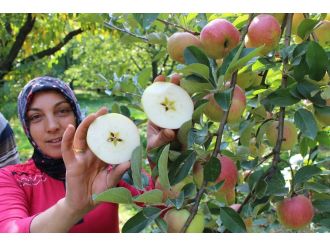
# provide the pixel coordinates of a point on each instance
(78, 150)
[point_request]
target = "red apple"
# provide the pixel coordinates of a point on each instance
(289, 134)
(176, 219)
(214, 111)
(322, 114)
(219, 37)
(295, 212)
(264, 30)
(178, 42)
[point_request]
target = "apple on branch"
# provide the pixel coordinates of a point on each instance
(214, 111)
(289, 134)
(167, 105)
(219, 37)
(113, 138)
(179, 41)
(176, 219)
(263, 30)
(295, 212)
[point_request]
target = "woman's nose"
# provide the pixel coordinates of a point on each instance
(52, 124)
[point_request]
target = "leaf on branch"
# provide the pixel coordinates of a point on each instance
(305, 121)
(141, 220)
(114, 195)
(232, 220)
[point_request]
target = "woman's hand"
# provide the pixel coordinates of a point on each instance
(85, 173)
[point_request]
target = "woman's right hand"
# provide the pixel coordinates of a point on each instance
(85, 173)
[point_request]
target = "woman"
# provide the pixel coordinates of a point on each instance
(52, 192)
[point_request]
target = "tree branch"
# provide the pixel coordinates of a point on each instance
(167, 23)
(220, 131)
(52, 50)
(110, 25)
(277, 148)
(7, 63)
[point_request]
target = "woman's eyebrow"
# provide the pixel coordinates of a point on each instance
(57, 104)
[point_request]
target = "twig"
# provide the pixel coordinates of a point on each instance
(110, 25)
(167, 23)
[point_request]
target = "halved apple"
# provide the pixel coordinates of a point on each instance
(167, 105)
(113, 137)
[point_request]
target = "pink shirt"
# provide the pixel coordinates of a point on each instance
(25, 191)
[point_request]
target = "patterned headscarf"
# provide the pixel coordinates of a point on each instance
(53, 167)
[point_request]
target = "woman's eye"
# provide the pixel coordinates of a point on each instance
(64, 111)
(34, 118)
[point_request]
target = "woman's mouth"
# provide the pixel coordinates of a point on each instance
(55, 140)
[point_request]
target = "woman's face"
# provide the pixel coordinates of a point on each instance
(48, 116)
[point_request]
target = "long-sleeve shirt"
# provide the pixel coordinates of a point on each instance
(25, 192)
(8, 150)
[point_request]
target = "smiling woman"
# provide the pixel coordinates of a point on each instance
(52, 191)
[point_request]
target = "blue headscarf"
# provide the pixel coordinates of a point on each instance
(53, 167)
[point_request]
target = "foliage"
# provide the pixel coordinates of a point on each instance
(120, 54)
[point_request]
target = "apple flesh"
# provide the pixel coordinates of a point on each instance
(214, 111)
(176, 219)
(178, 42)
(113, 137)
(263, 30)
(295, 212)
(289, 134)
(167, 105)
(219, 37)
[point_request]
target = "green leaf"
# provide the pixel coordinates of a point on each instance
(144, 77)
(161, 224)
(114, 195)
(306, 27)
(323, 137)
(136, 166)
(305, 173)
(212, 169)
(232, 220)
(322, 205)
(261, 188)
(305, 121)
(282, 97)
(193, 54)
(183, 133)
(146, 19)
(162, 168)
(276, 185)
(181, 166)
(156, 38)
(196, 68)
(224, 98)
(245, 131)
(150, 197)
(317, 187)
(141, 220)
(317, 61)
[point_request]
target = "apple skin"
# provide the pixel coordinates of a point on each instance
(178, 41)
(289, 134)
(228, 173)
(176, 219)
(264, 29)
(254, 150)
(323, 114)
(296, 21)
(219, 37)
(323, 33)
(214, 111)
(295, 212)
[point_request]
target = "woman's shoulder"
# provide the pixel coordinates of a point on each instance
(22, 172)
